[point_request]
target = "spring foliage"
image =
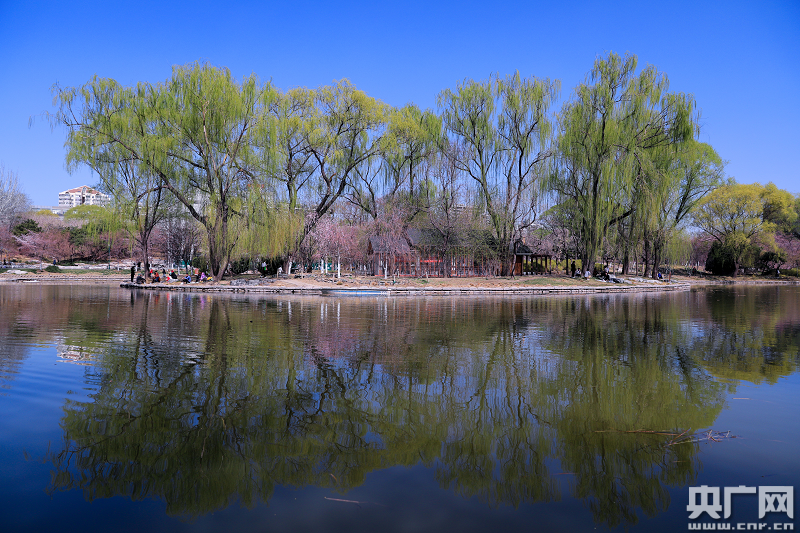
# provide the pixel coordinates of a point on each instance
(259, 168)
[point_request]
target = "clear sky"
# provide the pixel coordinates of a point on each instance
(741, 60)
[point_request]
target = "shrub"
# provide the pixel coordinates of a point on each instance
(200, 262)
(78, 236)
(25, 227)
(535, 268)
(241, 265)
(720, 260)
(272, 265)
(771, 260)
(52, 268)
(792, 272)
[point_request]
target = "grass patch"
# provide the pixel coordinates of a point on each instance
(544, 281)
(553, 281)
(103, 272)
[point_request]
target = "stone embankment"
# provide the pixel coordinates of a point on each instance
(26, 277)
(287, 287)
(360, 286)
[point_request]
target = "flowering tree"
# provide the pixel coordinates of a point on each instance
(337, 240)
(13, 202)
(8, 244)
(390, 230)
(701, 245)
(790, 245)
(47, 245)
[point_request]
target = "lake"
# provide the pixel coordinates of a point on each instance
(148, 411)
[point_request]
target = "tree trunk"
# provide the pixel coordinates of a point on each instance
(656, 259)
(587, 262)
(626, 261)
(145, 257)
(217, 255)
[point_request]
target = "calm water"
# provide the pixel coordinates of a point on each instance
(159, 412)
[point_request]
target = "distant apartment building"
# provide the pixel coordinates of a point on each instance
(55, 209)
(84, 195)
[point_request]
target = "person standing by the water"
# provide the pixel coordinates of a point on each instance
(133, 272)
(572, 268)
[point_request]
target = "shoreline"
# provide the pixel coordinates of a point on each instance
(368, 286)
(399, 290)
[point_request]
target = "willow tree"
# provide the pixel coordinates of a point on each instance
(194, 132)
(615, 133)
(690, 175)
(340, 128)
(397, 174)
(205, 126)
(138, 202)
(292, 163)
(504, 131)
(285, 170)
(412, 141)
(139, 199)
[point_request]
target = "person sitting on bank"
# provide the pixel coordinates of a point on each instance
(156, 277)
(187, 279)
(140, 279)
(172, 274)
(203, 276)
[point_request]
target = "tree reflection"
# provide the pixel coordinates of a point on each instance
(759, 343)
(202, 401)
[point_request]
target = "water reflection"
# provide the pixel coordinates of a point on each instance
(200, 401)
(756, 343)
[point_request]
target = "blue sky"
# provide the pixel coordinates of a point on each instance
(741, 60)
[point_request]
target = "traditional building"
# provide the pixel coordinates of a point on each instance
(526, 261)
(84, 195)
(427, 253)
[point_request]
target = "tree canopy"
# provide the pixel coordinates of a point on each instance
(617, 138)
(503, 132)
(258, 168)
(734, 215)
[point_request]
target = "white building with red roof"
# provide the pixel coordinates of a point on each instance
(83, 195)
